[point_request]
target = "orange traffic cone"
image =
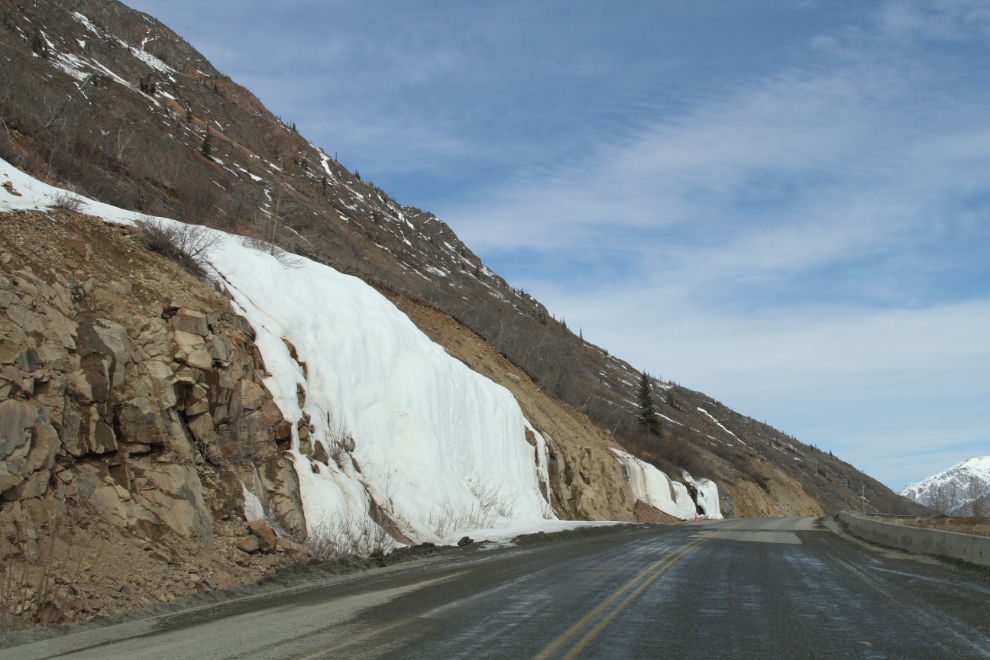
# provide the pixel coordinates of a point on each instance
(696, 517)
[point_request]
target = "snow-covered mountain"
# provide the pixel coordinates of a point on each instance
(951, 485)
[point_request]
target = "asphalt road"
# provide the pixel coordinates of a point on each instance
(764, 588)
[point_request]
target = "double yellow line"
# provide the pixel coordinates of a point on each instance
(644, 579)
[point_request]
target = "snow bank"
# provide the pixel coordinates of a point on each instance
(653, 487)
(440, 447)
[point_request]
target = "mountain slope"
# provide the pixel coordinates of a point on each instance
(949, 490)
(189, 143)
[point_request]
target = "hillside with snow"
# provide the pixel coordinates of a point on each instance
(402, 427)
(149, 125)
(949, 490)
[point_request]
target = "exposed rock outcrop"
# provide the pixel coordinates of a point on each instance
(133, 395)
(142, 402)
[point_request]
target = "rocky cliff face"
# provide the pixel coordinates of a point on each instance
(132, 393)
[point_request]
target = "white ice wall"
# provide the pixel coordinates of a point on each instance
(427, 429)
(653, 487)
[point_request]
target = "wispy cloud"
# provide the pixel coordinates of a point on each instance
(807, 245)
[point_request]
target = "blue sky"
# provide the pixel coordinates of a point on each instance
(785, 204)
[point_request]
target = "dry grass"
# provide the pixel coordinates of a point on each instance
(960, 525)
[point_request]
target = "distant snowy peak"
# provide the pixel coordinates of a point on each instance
(952, 485)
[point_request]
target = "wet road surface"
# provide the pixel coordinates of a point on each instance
(761, 588)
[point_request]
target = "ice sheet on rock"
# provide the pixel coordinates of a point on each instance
(429, 433)
(707, 496)
(542, 469)
(253, 508)
(655, 488)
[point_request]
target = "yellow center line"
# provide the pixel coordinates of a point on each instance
(672, 557)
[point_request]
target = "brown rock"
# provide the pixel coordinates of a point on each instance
(198, 408)
(15, 419)
(264, 533)
(34, 486)
(44, 446)
(252, 395)
(202, 427)
(178, 501)
(84, 250)
(320, 454)
(8, 478)
(191, 321)
(226, 581)
(293, 548)
(121, 288)
(282, 431)
(249, 544)
(107, 503)
(99, 436)
(27, 360)
(139, 423)
(200, 358)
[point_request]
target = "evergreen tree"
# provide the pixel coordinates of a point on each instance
(647, 414)
(324, 185)
(206, 145)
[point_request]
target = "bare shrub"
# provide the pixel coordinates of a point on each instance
(940, 500)
(446, 520)
(492, 505)
(343, 534)
(977, 493)
(187, 245)
(338, 440)
(286, 259)
(68, 202)
(38, 592)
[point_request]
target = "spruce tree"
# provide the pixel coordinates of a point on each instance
(647, 414)
(206, 145)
